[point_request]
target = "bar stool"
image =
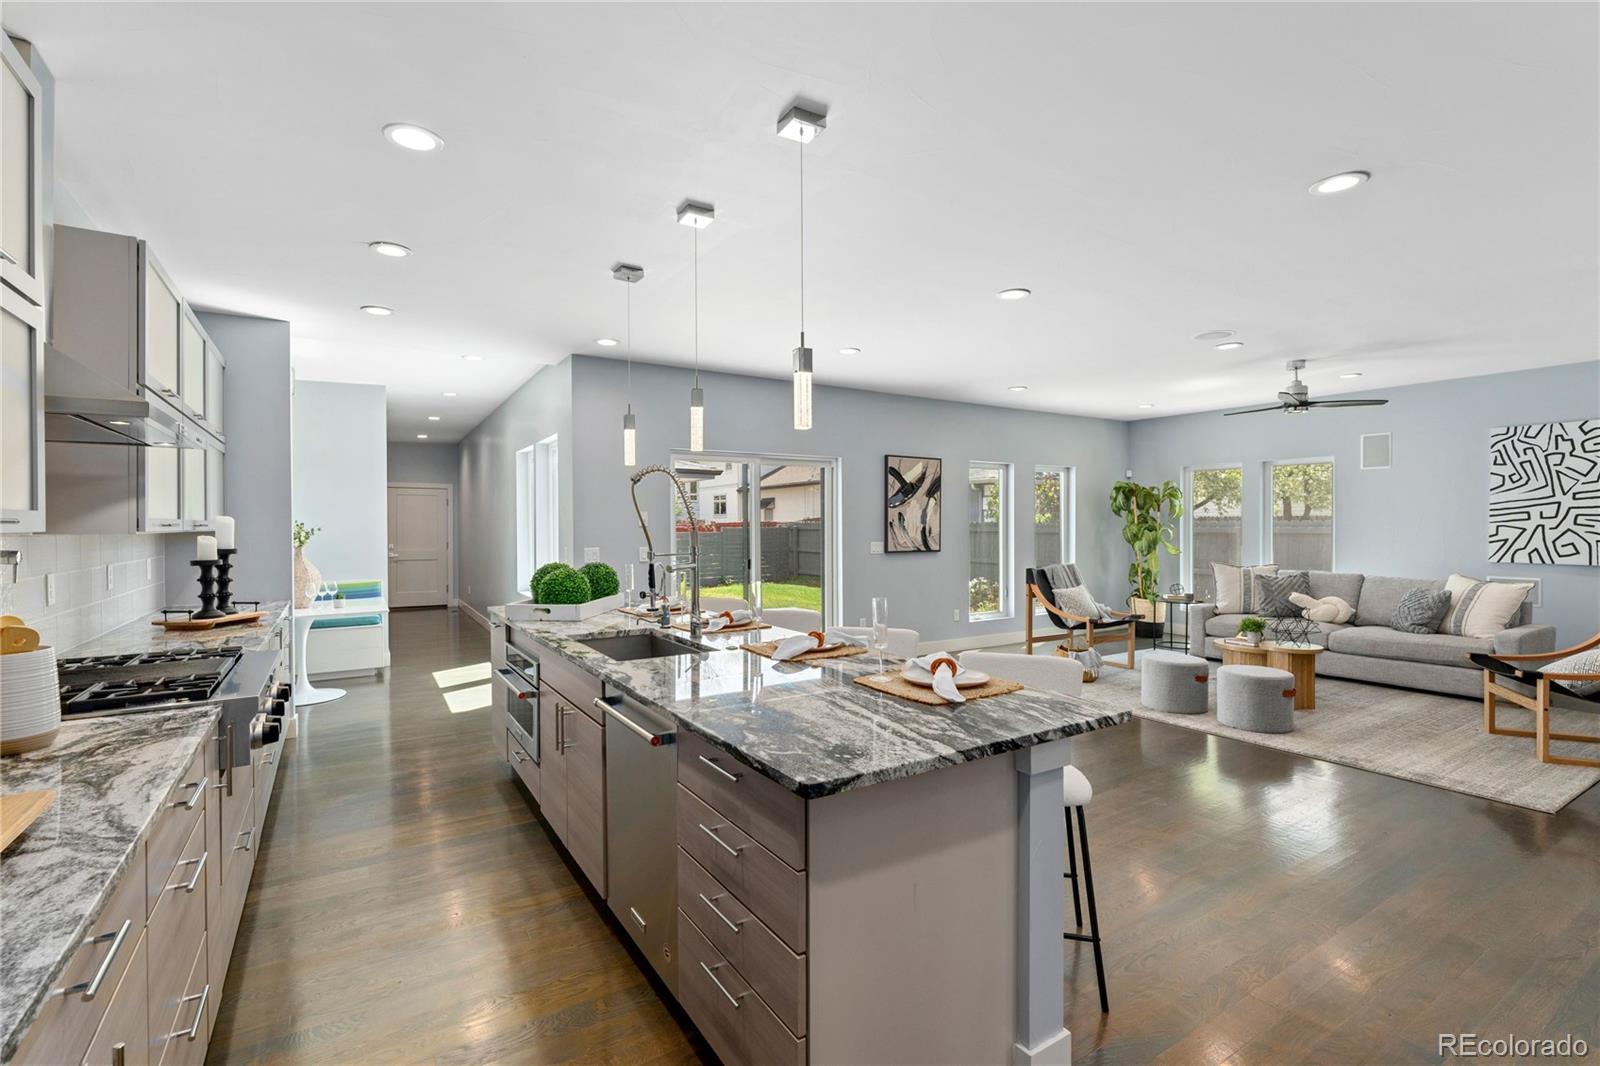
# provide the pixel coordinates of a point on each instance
(1076, 792)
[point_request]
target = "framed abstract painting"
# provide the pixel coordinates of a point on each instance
(1544, 493)
(911, 515)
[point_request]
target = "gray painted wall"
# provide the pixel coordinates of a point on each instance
(433, 464)
(858, 428)
(487, 482)
(341, 480)
(1425, 517)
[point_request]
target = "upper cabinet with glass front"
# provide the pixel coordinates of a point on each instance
(21, 414)
(21, 176)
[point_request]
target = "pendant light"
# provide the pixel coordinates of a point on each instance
(697, 217)
(799, 124)
(631, 274)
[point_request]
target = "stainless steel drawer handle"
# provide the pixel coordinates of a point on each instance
(119, 1054)
(711, 973)
(711, 831)
(562, 743)
(246, 837)
(516, 753)
(199, 868)
(713, 764)
(638, 918)
(91, 988)
(199, 1015)
(194, 798)
(7, 256)
(729, 922)
(266, 757)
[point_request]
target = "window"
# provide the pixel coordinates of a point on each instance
(988, 540)
(538, 508)
(719, 505)
(1054, 536)
(1300, 514)
(1215, 524)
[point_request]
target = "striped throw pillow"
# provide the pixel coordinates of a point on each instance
(1236, 586)
(1482, 608)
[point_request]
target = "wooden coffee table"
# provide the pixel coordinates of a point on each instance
(1299, 659)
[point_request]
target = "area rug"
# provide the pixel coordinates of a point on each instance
(1415, 736)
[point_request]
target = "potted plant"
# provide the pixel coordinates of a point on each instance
(307, 578)
(1252, 629)
(1149, 516)
(560, 591)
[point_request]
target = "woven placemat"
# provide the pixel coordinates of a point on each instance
(895, 685)
(742, 627)
(767, 647)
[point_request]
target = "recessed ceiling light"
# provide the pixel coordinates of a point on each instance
(1016, 388)
(415, 138)
(433, 418)
(1351, 374)
(1228, 346)
(607, 342)
(1339, 182)
(473, 358)
(696, 214)
(1014, 294)
(390, 249)
(1214, 335)
(422, 436)
(377, 309)
(448, 394)
(1146, 406)
(849, 351)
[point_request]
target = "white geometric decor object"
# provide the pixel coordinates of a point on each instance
(1544, 493)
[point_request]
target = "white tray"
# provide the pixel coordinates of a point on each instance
(527, 611)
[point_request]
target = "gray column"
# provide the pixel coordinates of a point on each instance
(1042, 1038)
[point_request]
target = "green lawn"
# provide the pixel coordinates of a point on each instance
(774, 594)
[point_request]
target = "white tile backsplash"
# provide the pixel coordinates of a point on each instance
(84, 607)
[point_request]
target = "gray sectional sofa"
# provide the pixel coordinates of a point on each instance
(1367, 649)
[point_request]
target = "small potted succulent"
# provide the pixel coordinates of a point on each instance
(1252, 629)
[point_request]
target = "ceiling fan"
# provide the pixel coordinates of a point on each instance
(1293, 400)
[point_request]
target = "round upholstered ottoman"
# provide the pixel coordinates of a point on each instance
(1172, 682)
(1257, 698)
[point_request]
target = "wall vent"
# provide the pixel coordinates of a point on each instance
(1375, 451)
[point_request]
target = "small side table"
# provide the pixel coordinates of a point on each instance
(1167, 640)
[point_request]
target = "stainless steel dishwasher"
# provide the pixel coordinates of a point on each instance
(641, 828)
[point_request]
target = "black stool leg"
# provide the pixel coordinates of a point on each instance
(1094, 918)
(1072, 867)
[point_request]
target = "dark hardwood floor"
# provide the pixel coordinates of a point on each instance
(1256, 906)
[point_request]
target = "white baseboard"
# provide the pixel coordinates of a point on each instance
(1055, 1050)
(467, 610)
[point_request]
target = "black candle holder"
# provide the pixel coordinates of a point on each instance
(225, 579)
(208, 586)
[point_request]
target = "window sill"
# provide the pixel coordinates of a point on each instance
(990, 616)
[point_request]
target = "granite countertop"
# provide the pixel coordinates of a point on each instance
(809, 727)
(142, 636)
(111, 776)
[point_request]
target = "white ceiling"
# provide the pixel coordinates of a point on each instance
(1142, 167)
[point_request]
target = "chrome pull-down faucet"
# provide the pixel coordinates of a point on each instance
(691, 567)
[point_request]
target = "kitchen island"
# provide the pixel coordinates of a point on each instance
(858, 877)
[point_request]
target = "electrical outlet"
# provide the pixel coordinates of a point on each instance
(149, 569)
(644, 555)
(591, 555)
(49, 590)
(955, 615)
(111, 577)
(875, 547)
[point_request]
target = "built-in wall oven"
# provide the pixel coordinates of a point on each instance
(518, 676)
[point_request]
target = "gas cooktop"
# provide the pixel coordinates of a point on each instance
(109, 683)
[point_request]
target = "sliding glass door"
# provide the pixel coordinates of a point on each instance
(768, 528)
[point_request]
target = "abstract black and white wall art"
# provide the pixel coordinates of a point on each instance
(911, 520)
(1544, 493)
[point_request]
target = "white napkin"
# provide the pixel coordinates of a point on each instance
(789, 647)
(944, 681)
(714, 622)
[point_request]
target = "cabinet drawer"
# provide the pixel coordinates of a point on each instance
(523, 764)
(763, 882)
(766, 810)
(70, 1015)
(123, 1038)
(775, 972)
(573, 685)
(183, 809)
(177, 928)
(583, 741)
(729, 1013)
(185, 1038)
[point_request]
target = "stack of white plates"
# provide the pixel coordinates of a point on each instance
(30, 700)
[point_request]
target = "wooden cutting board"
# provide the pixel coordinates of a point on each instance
(248, 618)
(18, 811)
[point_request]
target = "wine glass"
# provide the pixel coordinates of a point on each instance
(880, 627)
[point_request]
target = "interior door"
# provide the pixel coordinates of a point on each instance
(419, 545)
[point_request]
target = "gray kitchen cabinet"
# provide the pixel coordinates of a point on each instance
(216, 366)
(22, 448)
(161, 490)
(191, 365)
(21, 175)
(193, 482)
(98, 488)
(161, 349)
(584, 741)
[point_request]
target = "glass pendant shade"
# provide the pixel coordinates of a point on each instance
(802, 385)
(629, 448)
(697, 419)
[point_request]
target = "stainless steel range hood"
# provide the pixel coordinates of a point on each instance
(81, 407)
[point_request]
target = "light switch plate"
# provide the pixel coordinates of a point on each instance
(875, 547)
(49, 590)
(955, 615)
(591, 555)
(644, 555)
(111, 580)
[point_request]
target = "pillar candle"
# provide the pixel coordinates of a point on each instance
(224, 526)
(205, 548)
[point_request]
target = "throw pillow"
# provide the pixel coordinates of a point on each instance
(1273, 592)
(1079, 601)
(1584, 662)
(1421, 611)
(1327, 609)
(1236, 586)
(1482, 608)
